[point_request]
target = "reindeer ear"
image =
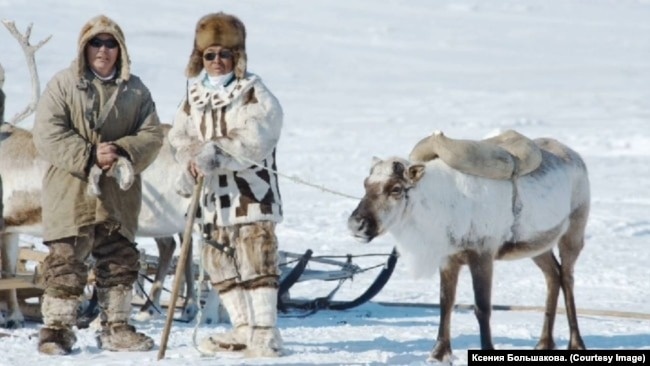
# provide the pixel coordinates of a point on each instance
(375, 160)
(415, 172)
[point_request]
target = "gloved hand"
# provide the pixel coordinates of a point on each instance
(121, 170)
(185, 183)
(209, 158)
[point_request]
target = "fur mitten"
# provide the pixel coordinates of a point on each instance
(185, 184)
(121, 170)
(210, 157)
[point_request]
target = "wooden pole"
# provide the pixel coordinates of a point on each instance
(180, 267)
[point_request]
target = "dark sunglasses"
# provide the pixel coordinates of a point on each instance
(223, 54)
(108, 43)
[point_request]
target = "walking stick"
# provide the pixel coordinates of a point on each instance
(180, 267)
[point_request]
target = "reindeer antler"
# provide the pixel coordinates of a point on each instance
(2, 95)
(30, 52)
(2, 76)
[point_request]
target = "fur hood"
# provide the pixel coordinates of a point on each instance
(220, 29)
(95, 26)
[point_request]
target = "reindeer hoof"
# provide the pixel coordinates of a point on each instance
(189, 313)
(441, 353)
(14, 324)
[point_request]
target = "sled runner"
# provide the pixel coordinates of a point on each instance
(295, 269)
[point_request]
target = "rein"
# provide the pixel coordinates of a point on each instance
(291, 178)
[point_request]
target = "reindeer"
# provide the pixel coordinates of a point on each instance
(443, 218)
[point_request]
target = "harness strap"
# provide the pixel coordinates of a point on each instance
(226, 249)
(108, 106)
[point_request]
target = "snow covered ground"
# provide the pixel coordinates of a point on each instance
(368, 77)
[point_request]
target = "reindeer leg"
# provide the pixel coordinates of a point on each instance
(10, 249)
(166, 246)
(570, 246)
(551, 269)
(481, 267)
(190, 306)
(448, 281)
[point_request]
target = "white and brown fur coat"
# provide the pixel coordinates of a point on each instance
(226, 131)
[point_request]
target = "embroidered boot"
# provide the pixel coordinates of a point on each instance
(116, 334)
(234, 301)
(56, 337)
(265, 340)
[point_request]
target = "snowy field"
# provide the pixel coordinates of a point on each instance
(365, 78)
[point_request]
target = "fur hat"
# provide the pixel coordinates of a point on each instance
(95, 26)
(220, 29)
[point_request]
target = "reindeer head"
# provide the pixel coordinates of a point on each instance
(386, 197)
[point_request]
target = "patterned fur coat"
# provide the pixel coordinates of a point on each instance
(243, 124)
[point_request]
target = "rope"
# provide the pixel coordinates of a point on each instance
(560, 310)
(291, 178)
(197, 287)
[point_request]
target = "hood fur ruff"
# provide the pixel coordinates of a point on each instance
(220, 29)
(95, 26)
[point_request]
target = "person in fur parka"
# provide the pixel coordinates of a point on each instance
(90, 116)
(226, 129)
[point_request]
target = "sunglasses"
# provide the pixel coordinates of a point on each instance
(108, 43)
(223, 54)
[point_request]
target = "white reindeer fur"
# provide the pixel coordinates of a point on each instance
(446, 202)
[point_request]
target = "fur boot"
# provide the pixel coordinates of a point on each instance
(120, 336)
(116, 334)
(265, 340)
(56, 341)
(59, 316)
(234, 301)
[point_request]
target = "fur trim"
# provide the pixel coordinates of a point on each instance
(220, 29)
(95, 26)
